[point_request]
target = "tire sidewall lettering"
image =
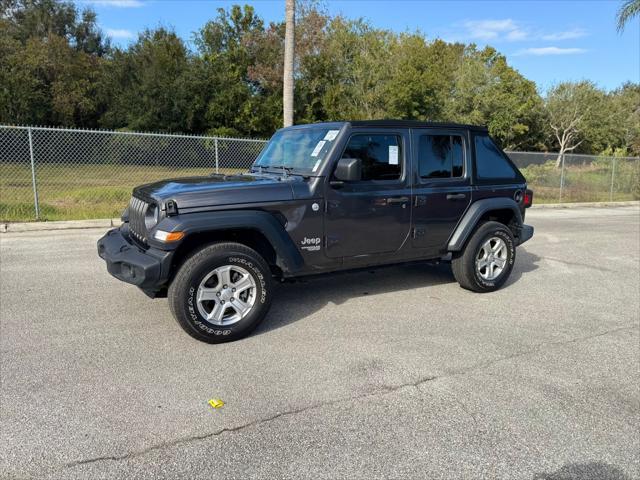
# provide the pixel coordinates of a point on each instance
(248, 265)
(191, 309)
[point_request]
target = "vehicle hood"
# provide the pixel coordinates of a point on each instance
(215, 190)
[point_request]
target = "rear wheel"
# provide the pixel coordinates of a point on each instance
(487, 260)
(221, 293)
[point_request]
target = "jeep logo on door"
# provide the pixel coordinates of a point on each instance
(310, 244)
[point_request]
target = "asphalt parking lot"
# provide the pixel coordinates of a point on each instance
(396, 373)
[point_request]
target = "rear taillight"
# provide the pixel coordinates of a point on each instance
(528, 198)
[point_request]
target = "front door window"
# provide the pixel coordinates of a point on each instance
(380, 154)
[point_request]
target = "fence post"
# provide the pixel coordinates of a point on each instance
(216, 143)
(33, 176)
(561, 178)
(613, 176)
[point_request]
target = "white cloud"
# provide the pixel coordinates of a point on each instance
(119, 33)
(116, 3)
(505, 29)
(540, 51)
(566, 35)
(517, 35)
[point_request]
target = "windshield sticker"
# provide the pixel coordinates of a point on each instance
(393, 155)
(319, 146)
(331, 135)
(315, 167)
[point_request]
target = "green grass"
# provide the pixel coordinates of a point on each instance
(78, 192)
(102, 191)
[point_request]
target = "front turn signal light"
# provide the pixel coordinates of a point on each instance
(168, 236)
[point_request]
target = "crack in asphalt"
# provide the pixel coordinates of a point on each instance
(385, 390)
(537, 348)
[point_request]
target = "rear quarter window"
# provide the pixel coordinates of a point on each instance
(492, 164)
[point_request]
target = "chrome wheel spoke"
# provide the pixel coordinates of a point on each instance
(224, 275)
(500, 262)
(240, 306)
(242, 284)
(217, 314)
(207, 294)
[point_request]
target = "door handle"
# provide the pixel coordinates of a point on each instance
(396, 200)
(456, 196)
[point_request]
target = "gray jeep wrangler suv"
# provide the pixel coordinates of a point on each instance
(321, 198)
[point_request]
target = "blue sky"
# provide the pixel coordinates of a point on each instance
(547, 41)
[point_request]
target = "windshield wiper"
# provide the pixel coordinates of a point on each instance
(281, 167)
(284, 168)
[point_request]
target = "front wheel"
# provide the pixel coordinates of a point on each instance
(221, 293)
(487, 260)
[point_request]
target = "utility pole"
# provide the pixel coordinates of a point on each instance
(289, 46)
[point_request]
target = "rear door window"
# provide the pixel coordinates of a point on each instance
(440, 156)
(491, 163)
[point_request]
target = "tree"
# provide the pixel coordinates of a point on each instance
(485, 90)
(577, 114)
(422, 77)
(145, 82)
(41, 19)
(289, 46)
(354, 69)
(57, 68)
(50, 60)
(237, 101)
(625, 107)
(628, 10)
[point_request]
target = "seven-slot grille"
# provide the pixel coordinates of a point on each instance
(137, 212)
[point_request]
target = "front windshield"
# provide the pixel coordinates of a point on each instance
(299, 149)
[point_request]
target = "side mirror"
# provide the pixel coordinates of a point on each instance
(349, 170)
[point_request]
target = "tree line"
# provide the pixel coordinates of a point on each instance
(58, 68)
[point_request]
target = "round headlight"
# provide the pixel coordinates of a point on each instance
(151, 216)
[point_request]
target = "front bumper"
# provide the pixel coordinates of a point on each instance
(147, 269)
(526, 232)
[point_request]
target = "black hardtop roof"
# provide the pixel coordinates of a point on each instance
(391, 124)
(413, 124)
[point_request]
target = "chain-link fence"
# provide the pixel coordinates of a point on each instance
(579, 178)
(64, 174)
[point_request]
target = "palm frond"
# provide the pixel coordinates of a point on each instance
(628, 10)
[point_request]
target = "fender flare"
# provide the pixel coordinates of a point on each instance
(473, 214)
(288, 257)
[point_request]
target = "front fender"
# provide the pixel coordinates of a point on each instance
(288, 256)
(474, 213)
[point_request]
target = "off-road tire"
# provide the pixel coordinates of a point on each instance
(183, 290)
(463, 263)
